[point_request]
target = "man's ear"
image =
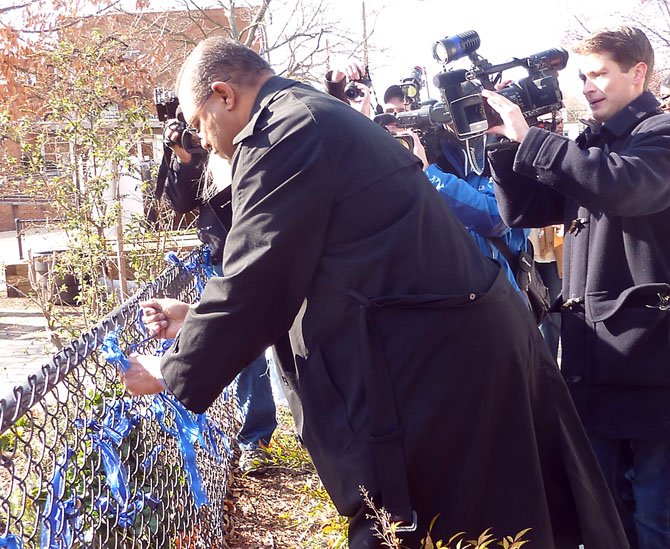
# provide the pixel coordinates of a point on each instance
(225, 92)
(639, 73)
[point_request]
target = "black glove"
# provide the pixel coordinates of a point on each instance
(171, 126)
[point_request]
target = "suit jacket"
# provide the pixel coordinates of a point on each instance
(611, 189)
(410, 359)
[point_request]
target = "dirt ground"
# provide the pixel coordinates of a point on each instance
(285, 505)
(267, 511)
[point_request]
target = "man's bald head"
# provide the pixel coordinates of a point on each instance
(218, 59)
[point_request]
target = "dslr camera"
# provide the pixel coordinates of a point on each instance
(169, 112)
(536, 94)
(351, 91)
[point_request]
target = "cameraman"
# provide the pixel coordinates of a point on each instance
(611, 190)
(470, 195)
(394, 102)
(184, 188)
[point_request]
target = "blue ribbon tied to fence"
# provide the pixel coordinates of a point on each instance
(195, 268)
(10, 541)
(106, 436)
(59, 517)
(188, 427)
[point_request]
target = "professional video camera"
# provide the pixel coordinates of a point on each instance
(169, 112)
(352, 91)
(536, 94)
(428, 122)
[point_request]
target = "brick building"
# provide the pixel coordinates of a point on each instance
(153, 42)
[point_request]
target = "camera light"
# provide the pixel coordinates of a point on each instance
(454, 47)
(409, 90)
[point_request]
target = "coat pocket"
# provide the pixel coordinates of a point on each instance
(632, 335)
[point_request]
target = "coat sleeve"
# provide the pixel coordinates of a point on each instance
(336, 89)
(631, 182)
(475, 208)
(522, 201)
(183, 183)
(281, 205)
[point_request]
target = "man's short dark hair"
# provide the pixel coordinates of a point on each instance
(627, 46)
(220, 59)
(392, 91)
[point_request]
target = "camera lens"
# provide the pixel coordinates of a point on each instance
(352, 92)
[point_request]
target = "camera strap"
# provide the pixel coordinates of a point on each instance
(163, 171)
(475, 150)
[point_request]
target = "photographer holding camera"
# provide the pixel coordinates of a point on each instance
(611, 190)
(351, 84)
(185, 190)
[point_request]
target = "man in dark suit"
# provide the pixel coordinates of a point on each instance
(611, 189)
(414, 369)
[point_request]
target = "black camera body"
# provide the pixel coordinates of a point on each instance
(166, 103)
(169, 112)
(427, 121)
(536, 94)
(430, 115)
(351, 91)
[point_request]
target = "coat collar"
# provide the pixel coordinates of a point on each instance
(267, 92)
(632, 114)
(626, 119)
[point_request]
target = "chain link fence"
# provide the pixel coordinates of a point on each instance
(84, 465)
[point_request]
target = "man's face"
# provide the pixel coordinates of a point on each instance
(606, 87)
(212, 118)
(394, 105)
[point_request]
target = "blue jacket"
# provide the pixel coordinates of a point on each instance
(472, 199)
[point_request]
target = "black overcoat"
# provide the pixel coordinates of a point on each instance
(410, 361)
(611, 188)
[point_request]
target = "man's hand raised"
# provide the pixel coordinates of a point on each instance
(163, 318)
(514, 125)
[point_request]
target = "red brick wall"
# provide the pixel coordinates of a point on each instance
(9, 211)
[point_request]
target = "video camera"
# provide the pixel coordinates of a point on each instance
(536, 94)
(169, 112)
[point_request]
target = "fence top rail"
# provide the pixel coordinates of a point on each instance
(38, 384)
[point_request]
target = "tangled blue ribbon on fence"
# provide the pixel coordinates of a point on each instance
(60, 519)
(106, 436)
(196, 268)
(189, 427)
